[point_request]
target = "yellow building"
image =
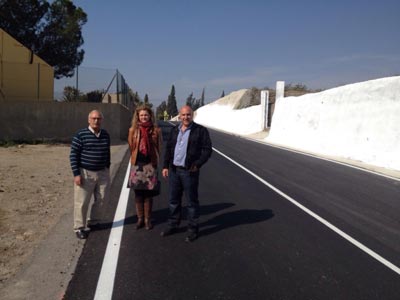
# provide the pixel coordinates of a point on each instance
(23, 75)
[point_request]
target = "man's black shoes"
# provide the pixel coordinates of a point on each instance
(81, 234)
(168, 231)
(193, 235)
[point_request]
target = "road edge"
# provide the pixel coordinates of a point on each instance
(53, 262)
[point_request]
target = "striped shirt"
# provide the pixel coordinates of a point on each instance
(90, 152)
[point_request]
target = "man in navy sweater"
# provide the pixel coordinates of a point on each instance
(90, 163)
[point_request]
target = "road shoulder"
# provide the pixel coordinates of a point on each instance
(52, 264)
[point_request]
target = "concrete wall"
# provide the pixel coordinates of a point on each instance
(358, 121)
(23, 75)
(52, 121)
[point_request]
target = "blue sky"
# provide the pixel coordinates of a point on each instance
(229, 45)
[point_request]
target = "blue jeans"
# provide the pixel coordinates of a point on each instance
(182, 181)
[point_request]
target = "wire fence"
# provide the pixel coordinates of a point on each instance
(94, 85)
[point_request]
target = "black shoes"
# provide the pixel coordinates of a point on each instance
(168, 231)
(192, 236)
(81, 234)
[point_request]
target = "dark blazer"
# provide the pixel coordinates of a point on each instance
(199, 147)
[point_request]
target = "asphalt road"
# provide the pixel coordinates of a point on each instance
(305, 228)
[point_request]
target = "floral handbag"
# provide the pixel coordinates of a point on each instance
(144, 177)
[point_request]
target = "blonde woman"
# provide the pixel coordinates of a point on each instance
(145, 145)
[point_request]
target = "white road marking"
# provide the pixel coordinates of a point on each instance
(105, 284)
(320, 219)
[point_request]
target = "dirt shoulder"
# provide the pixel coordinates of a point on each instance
(38, 248)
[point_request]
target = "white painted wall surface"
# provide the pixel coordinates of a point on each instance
(359, 121)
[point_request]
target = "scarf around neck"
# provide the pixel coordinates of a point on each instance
(145, 134)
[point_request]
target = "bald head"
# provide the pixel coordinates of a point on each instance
(186, 108)
(186, 116)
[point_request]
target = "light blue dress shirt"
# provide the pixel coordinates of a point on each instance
(181, 146)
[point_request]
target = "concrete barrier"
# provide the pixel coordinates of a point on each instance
(58, 122)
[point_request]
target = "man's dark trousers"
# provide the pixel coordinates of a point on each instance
(181, 180)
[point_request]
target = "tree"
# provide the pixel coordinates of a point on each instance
(134, 97)
(223, 94)
(193, 102)
(71, 94)
(172, 109)
(95, 96)
(160, 110)
(137, 99)
(296, 87)
(21, 19)
(190, 100)
(196, 104)
(202, 98)
(51, 31)
(147, 101)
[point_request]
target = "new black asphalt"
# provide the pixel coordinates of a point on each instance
(254, 243)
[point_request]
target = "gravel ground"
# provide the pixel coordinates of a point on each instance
(36, 203)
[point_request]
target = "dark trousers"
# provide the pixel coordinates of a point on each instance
(182, 181)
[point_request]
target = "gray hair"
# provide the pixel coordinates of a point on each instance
(96, 110)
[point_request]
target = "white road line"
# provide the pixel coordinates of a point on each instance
(320, 219)
(105, 284)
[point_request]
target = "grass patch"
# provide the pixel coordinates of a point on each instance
(12, 143)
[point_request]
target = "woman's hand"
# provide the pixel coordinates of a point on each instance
(165, 173)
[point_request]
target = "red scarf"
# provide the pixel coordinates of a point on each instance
(145, 135)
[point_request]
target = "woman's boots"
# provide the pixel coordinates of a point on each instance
(143, 212)
(148, 206)
(139, 212)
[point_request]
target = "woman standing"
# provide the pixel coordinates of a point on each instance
(145, 144)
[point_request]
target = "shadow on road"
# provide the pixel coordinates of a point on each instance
(217, 223)
(212, 208)
(235, 218)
